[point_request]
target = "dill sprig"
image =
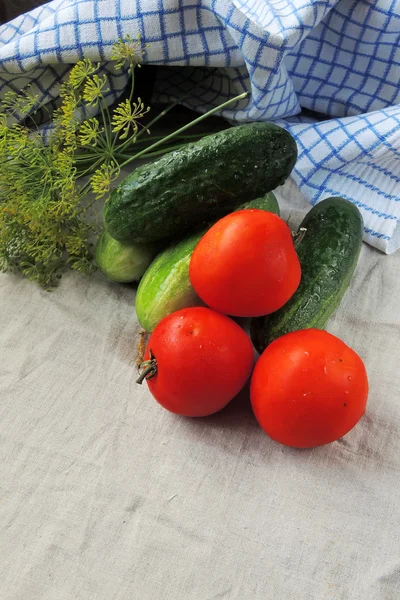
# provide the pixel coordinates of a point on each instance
(47, 215)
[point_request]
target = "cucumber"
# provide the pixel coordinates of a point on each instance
(121, 262)
(267, 202)
(328, 256)
(199, 183)
(166, 285)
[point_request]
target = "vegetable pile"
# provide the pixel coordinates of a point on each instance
(201, 229)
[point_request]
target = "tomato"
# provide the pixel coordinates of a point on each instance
(246, 264)
(201, 360)
(308, 388)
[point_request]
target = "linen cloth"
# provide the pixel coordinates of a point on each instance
(106, 496)
(337, 58)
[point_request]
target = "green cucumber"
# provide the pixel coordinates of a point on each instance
(121, 262)
(166, 287)
(267, 202)
(199, 183)
(328, 256)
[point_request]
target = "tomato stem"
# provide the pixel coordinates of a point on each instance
(149, 369)
(141, 347)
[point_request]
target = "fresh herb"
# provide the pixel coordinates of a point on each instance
(47, 215)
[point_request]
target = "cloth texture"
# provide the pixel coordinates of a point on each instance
(104, 495)
(338, 59)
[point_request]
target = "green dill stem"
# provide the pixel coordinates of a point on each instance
(159, 137)
(46, 109)
(187, 126)
(84, 190)
(157, 152)
(90, 203)
(151, 138)
(132, 83)
(35, 125)
(110, 139)
(167, 149)
(125, 156)
(102, 141)
(124, 145)
(87, 157)
(121, 157)
(92, 167)
(106, 131)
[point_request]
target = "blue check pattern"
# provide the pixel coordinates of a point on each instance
(327, 70)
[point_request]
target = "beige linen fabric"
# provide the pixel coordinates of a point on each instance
(106, 496)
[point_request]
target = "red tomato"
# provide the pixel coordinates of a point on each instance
(308, 388)
(246, 264)
(202, 360)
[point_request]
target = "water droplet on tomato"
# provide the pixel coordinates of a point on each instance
(349, 378)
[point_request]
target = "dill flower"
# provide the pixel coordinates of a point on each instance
(89, 132)
(126, 117)
(127, 51)
(81, 71)
(102, 179)
(94, 89)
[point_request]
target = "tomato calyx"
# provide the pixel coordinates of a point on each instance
(149, 369)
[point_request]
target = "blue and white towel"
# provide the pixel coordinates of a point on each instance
(337, 58)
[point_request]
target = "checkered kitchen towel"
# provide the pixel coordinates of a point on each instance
(338, 59)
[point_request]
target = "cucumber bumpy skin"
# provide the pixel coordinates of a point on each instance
(328, 256)
(201, 182)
